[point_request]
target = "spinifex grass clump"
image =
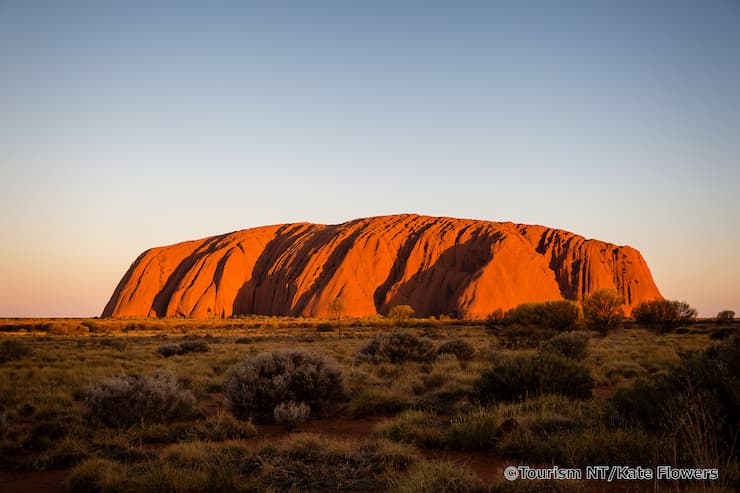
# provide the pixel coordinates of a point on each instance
(125, 401)
(255, 386)
(397, 347)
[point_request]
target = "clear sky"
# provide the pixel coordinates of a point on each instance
(127, 125)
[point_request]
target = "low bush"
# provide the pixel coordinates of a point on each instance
(290, 414)
(663, 315)
(573, 345)
(396, 347)
(603, 310)
(523, 337)
(400, 315)
(254, 387)
(463, 350)
(125, 401)
(529, 375)
(184, 347)
(559, 315)
(725, 316)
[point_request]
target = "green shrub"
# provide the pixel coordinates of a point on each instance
(125, 401)
(523, 337)
(663, 315)
(573, 345)
(396, 347)
(603, 310)
(560, 315)
(529, 375)
(463, 350)
(725, 316)
(401, 314)
(184, 347)
(254, 387)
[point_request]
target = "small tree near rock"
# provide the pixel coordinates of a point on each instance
(401, 314)
(603, 310)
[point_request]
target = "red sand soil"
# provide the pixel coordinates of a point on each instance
(438, 265)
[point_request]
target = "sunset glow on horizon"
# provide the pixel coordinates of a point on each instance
(125, 126)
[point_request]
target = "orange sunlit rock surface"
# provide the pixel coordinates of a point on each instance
(438, 265)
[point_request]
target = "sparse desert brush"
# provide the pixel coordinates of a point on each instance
(461, 349)
(559, 315)
(663, 315)
(396, 347)
(290, 414)
(255, 386)
(125, 401)
(573, 345)
(530, 375)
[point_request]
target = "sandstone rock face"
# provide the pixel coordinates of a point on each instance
(438, 265)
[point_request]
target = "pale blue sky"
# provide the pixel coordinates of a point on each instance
(125, 125)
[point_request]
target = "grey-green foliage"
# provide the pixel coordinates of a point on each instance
(397, 347)
(125, 401)
(259, 383)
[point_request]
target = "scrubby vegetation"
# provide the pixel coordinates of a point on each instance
(125, 401)
(257, 385)
(664, 315)
(573, 345)
(396, 347)
(184, 347)
(462, 350)
(603, 310)
(409, 414)
(528, 375)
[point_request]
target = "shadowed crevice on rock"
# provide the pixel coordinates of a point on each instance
(162, 299)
